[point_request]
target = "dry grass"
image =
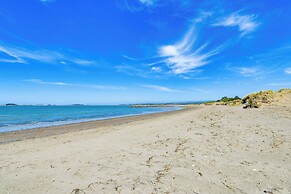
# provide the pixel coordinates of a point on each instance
(269, 97)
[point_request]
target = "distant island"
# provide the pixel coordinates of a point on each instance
(11, 104)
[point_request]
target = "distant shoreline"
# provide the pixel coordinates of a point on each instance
(163, 104)
(61, 115)
(11, 136)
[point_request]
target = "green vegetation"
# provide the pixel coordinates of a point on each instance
(256, 100)
(284, 90)
(226, 101)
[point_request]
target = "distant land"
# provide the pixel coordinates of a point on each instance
(253, 100)
(130, 104)
(11, 104)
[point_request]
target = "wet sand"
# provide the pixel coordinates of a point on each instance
(211, 149)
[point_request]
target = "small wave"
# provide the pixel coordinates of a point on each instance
(34, 124)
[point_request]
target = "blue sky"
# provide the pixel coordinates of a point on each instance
(137, 51)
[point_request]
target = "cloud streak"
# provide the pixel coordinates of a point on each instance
(147, 2)
(38, 81)
(245, 23)
(249, 71)
(161, 88)
(288, 70)
(23, 55)
(179, 59)
(275, 60)
(133, 6)
(184, 56)
(92, 86)
(47, 1)
(203, 15)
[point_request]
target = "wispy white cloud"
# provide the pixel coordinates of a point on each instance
(156, 69)
(38, 81)
(261, 65)
(82, 62)
(147, 2)
(249, 71)
(154, 5)
(161, 88)
(185, 56)
(203, 15)
(155, 72)
(23, 55)
(288, 70)
(47, 1)
(92, 86)
(13, 57)
(131, 6)
(130, 58)
(275, 59)
(20, 55)
(245, 23)
(131, 70)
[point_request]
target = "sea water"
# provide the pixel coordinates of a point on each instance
(13, 118)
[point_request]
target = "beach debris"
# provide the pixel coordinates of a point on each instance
(118, 188)
(270, 192)
(148, 162)
(162, 173)
(78, 191)
(277, 140)
(154, 191)
(179, 145)
(189, 129)
(227, 186)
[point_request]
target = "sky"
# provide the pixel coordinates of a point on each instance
(141, 51)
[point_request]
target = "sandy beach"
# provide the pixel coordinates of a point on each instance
(207, 149)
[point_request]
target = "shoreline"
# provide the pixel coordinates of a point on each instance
(38, 132)
(58, 122)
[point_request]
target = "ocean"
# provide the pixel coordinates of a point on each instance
(13, 118)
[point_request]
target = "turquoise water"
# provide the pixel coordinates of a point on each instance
(14, 118)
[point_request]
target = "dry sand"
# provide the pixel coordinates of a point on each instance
(214, 149)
